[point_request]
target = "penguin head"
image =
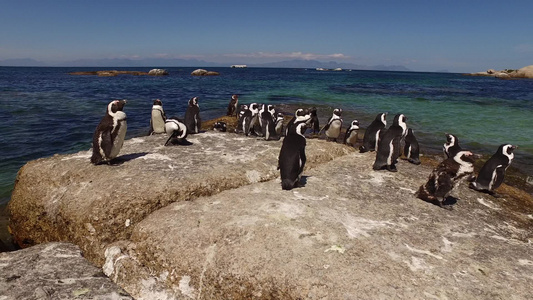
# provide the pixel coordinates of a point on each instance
(312, 110)
(254, 108)
(300, 128)
(507, 150)
(279, 117)
(337, 112)
(158, 102)
(115, 105)
(271, 109)
(382, 118)
(464, 157)
(235, 97)
(302, 115)
(193, 101)
(354, 125)
(451, 139)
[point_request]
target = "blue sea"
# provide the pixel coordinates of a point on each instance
(44, 111)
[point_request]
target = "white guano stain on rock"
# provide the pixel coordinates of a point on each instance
(253, 176)
(423, 252)
(525, 262)
(185, 288)
(447, 245)
(112, 256)
(487, 203)
(80, 155)
(336, 248)
(360, 227)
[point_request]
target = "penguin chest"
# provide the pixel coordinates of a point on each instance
(334, 129)
(119, 139)
(352, 137)
(158, 124)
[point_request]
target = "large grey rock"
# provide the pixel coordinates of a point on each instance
(53, 271)
(158, 72)
(66, 198)
(525, 72)
(350, 233)
(202, 72)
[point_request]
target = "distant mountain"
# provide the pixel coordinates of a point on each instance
(300, 63)
(21, 62)
(147, 62)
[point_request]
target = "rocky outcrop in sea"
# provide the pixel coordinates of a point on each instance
(525, 72)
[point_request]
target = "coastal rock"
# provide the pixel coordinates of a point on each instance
(525, 72)
(202, 72)
(158, 72)
(54, 271)
(66, 198)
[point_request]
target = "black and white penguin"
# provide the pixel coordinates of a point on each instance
(279, 124)
(372, 133)
(177, 132)
(491, 175)
(300, 115)
(451, 147)
(242, 109)
(291, 160)
(411, 150)
(192, 116)
(314, 124)
(109, 134)
(157, 122)
(232, 106)
(249, 117)
(389, 145)
(444, 177)
(220, 126)
(350, 138)
(268, 126)
(334, 126)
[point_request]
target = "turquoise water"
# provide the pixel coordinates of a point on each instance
(44, 111)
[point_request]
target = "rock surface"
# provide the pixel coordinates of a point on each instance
(158, 72)
(202, 72)
(525, 72)
(111, 73)
(349, 233)
(54, 271)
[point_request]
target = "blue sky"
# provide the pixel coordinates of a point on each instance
(459, 36)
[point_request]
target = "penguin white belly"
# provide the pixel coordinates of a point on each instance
(334, 129)
(352, 138)
(158, 124)
(119, 140)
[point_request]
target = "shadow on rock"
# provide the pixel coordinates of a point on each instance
(125, 158)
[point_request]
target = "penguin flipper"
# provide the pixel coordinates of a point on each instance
(107, 143)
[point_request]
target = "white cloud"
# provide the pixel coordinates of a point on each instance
(288, 55)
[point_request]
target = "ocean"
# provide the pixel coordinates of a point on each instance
(44, 111)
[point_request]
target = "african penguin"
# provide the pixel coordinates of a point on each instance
(350, 137)
(249, 118)
(279, 124)
(157, 122)
(389, 145)
(444, 177)
(192, 116)
(491, 175)
(177, 132)
(268, 127)
(232, 106)
(451, 147)
(334, 126)
(109, 134)
(220, 126)
(372, 133)
(300, 115)
(411, 149)
(291, 160)
(242, 109)
(314, 124)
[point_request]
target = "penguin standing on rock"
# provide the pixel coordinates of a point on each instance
(314, 123)
(292, 158)
(177, 132)
(192, 116)
(411, 149)
(279, 124)
(350, 138)
(389, 146)
(249, 118)
(372, 133)
(109, 134)
(491, 175)
(451, 147)
(232, 106)
(157, 122)
(334, 126)
(242, 109)
(300, 115)
(268, 126)
(444, 177)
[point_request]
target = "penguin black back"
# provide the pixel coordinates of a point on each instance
(451, 147)
(492, 173)
(192, 116)
(411, 149)
(109, 135)
(232, 106)
(292, 157)
(372, 133)
(389, 145)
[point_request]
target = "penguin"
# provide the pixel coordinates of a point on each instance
(389, 145)
(491, 175)
(109, 134)
(192, 116)
(451, 147)
(334, 126)
(243, 108)
(314, 124)
(177, 132)
(444, 177)
(220, 126)
(279, 124)
(157, 122)
(232, 106)
(249, 118)
(300, 115)
(411, 149)
(372, 133)
(256, 127)
(268, 126)
(350, 137)
(291, 160)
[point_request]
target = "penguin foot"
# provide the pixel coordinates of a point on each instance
(392, 168)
